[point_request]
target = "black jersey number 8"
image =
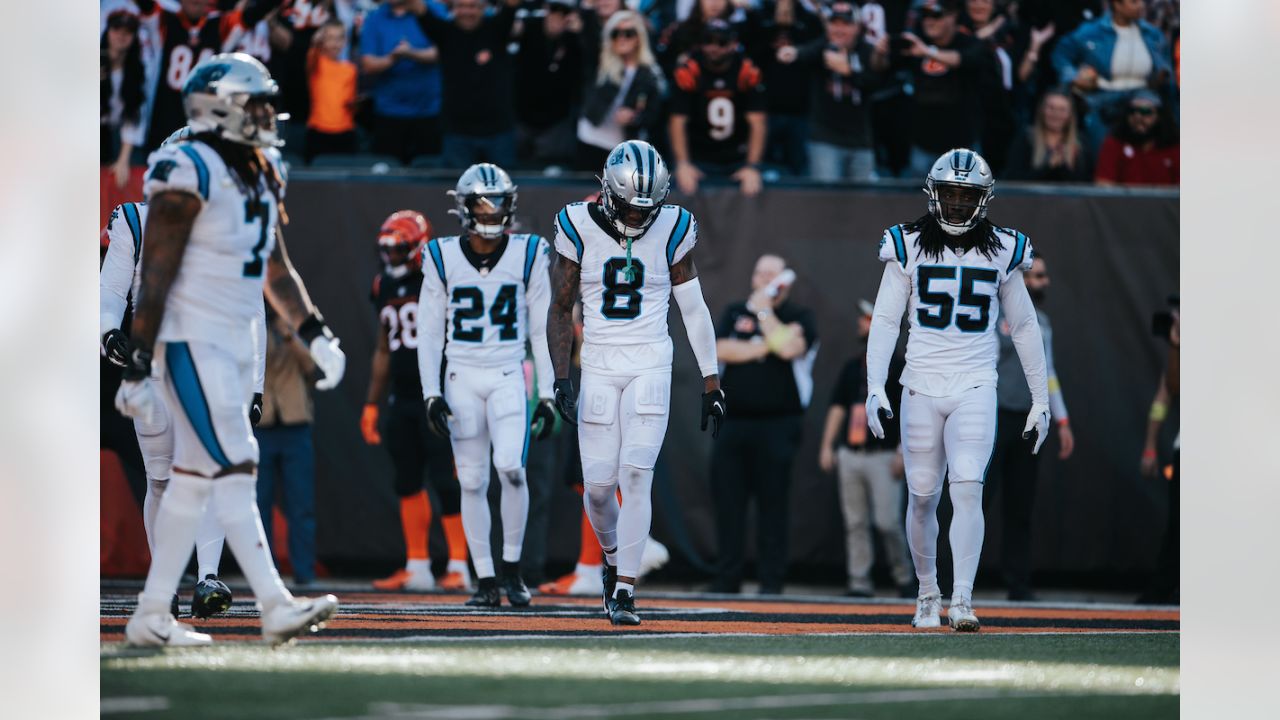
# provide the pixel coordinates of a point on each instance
(622, 298)
(944, 313)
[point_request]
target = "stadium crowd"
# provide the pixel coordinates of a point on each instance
(1047, 90)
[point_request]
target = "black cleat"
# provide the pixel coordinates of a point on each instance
(173, 606)
(211, 597)
(623, 611)
(487, 594)
(609, 579)
(517, 594)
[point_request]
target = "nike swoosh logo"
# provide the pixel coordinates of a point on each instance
(508, 372)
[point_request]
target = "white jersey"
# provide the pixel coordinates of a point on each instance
(625, 322)
(488, 315)
(952, 309)
(218, 291)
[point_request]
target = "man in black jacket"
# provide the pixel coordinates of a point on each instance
(548, 83)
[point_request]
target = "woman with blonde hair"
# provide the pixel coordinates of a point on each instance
(1051, 150)
(626, 96)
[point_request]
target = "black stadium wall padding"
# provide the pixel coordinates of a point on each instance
(1113, 256)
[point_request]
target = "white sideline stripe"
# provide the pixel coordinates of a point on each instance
(671, 707)
(132, 704)
(607, 635)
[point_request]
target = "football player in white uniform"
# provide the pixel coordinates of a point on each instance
(628, 254)
(484, 293)
(212, 236)
(954, 273)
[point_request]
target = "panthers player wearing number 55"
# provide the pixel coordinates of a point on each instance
(484, 294)
(629, 254)
(955, 273)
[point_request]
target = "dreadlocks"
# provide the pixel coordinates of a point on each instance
(247, 164)
(933, 240)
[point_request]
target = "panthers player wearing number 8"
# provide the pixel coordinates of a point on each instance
(629, 254)
(954, 272)
(484, 293)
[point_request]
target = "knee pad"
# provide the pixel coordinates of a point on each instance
(600, 495)
(473, 479)
(924, 481)
(514, 477)
(157, 486)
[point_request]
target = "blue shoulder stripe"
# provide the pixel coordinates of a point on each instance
(202, 170)
(1018, 250)
(899, 244)
(135, 227)
(434, 248)
(677, 235)
(567, 226)
(532, 243)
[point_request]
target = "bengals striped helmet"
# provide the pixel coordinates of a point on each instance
(401, 238)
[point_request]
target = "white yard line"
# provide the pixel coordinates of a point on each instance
(132, 704)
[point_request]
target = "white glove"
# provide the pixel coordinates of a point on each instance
(1037, 420)
(330, 359)
(137, 399)
(877, 400)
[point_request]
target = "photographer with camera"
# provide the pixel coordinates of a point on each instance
(1163, 586)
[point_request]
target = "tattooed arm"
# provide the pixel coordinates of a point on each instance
(565, 277)
(170, 216)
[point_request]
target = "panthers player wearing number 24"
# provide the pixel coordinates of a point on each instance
(484, 293)
(629, 254)
(953, 272)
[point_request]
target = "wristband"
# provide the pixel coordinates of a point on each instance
(313, 327)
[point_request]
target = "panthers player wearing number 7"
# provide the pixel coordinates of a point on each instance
(954, 272)
(629, 254)
(484, 293)
(212, 238)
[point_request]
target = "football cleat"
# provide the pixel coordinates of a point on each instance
(161, 630)
(288, 620)
(487, 595)
(961, 616)
(609, 579)
(586, 583)
(173, 605)
(928, 608)
(404, 581)
(517, 593)
(623, 611)
(455, 581)
(211, 596)
(654, 557)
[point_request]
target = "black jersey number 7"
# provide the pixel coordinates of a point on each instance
(941, 306)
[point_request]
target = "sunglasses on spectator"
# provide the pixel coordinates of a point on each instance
(1143, 110)
(623, 33)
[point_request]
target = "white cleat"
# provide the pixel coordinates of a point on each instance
(961, 615)
(161, 630)
(588, 584)
(286, 621)
(928, 610)
(654, 557)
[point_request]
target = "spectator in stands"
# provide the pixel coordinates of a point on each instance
(786, 25)
(765, 342)
(870, 489)
(401, 65)
(681, 39)
(548, 83)
(479, 102)
(841, 78)
(718, 121)
(624, 97)
(1142, 149)
(293, 31)
(1034, 71)
(994, 28)
(944, 68)
(122, 95)
(594, 15)
(1107, 59)
(286, 464)
(331, 126)
(1014, 471)
(1050, 150)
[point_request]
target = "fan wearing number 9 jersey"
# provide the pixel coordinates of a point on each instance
(953, 272)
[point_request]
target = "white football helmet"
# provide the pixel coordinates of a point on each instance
(967, 173)
(232, 94)
(633, 186)
(485, 200)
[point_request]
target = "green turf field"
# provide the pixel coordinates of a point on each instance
(931, 676)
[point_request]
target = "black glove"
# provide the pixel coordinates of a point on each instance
(438, 413)
(713, 409)
(117, 347)
(255, 410)
(566, 401)
(543, 421)
(138, 366)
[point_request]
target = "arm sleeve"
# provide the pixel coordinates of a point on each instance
(177, 168)
(116, 277)
(1057, 405)
(260, 359)
(567, 240)
(886, 323)
(431, 318)
(698, 325)
(1025, 330)
(539, 303)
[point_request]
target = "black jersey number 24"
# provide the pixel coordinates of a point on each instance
(470, 307)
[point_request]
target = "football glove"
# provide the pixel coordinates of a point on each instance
(566, 401)
(255, 410)
(136, 397)
(1037, 421)
(713, 409)
(117, 348)
(543, 422)
(877, 402)
(438, 414)
(369, 424)
(328, 357)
